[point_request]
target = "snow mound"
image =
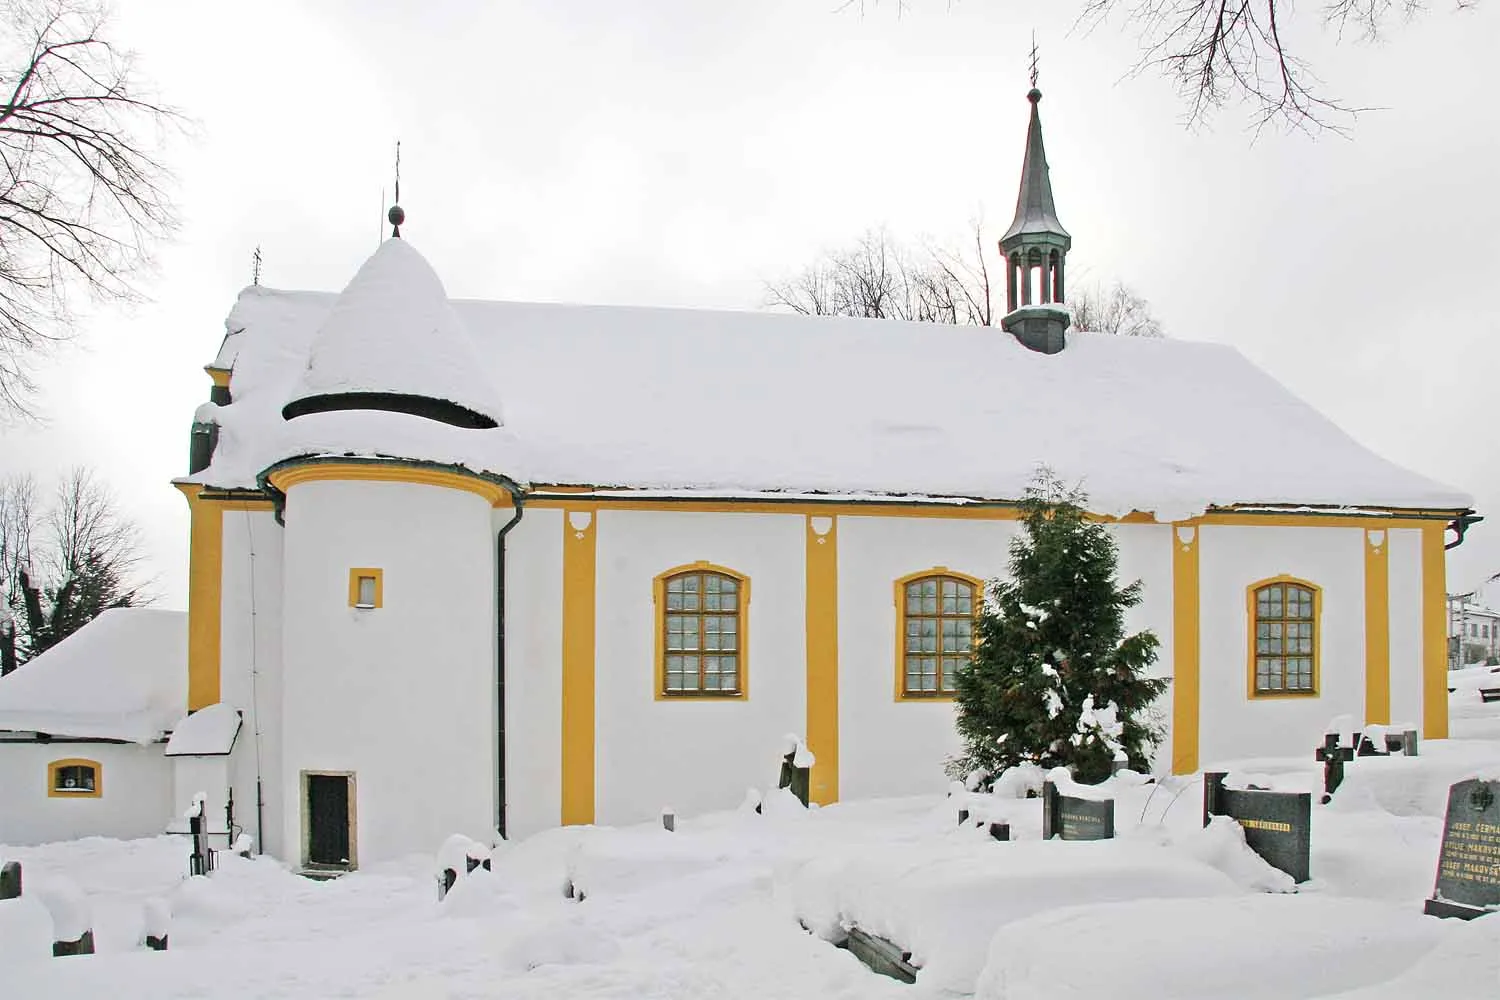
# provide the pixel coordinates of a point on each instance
(66, 902)
(25, 932)
(1222, 845)
(1251, 948)
(564, 941)
(945, 903)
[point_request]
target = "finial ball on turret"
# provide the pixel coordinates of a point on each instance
(396, 215)
(1034, 95)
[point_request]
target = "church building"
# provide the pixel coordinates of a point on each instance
(464, 566)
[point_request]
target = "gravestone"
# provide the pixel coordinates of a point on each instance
(1468, 880)
(1367, 748)
(1334, 757)
(1072, 818)
(881, 956)
(83, 946)
(1404, 743)
(963, 817)
(1277, 825)
(668, 820)
(1000, 831)
(201, 860)
(10, 880)
(798, 779)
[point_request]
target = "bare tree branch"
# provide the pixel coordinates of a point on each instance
(83, 194)
(1118, 310)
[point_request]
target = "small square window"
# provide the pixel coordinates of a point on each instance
(366, 588)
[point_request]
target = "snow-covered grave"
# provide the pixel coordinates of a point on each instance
(1167, 909)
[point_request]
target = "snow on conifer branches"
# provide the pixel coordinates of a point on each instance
(1055, 681)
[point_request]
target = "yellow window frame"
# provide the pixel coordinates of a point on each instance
(899, 600)
(53, 792)
(363, 572)
(659, 599)
(1251, 621)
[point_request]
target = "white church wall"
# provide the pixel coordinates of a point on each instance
(1146, 555)
(694, 755)
(1230, 559)
(891, 747)
(250, 669)
(210, 777)
(1405, 572)
(135, 786)
(402, 695)
(533, 672)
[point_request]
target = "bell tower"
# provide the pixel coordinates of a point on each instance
(1035, 249)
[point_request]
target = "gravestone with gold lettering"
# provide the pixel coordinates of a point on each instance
(1277, 825)
(1071, 818)
(1468, 879)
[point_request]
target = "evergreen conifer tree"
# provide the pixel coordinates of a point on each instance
(1054, 680)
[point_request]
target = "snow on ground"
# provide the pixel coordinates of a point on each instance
(715, 909)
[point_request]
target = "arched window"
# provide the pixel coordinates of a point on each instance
(1285, 615)
(74, 777)
(934, 631)
(702, 615)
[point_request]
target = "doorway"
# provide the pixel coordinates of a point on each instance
(328, 820)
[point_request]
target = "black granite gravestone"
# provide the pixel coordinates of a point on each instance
(1368, 748)
(155, 943)
(1277, 825)
(1000, 831)
(10, 880)
(1072, 818)
(1334, 757)
(1468, 880)
(1404, 743)
(798, 779)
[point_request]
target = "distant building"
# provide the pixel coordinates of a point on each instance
(1473, 631)
(465, 565)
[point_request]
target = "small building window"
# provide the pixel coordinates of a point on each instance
(366, 588)
(74, 777)
(935, 632)
(701, 632)
(1284, 639)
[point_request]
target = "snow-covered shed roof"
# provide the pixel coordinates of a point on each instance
(123, 676)
(208, 732)
(727, 403)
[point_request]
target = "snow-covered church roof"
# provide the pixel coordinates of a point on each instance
(123, 676)
(733, 403)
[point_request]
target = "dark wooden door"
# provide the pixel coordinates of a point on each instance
(327, 819)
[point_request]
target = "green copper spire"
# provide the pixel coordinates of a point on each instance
(1035, 248)
(1036, 212)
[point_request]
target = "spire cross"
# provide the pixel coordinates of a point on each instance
(255, 261)
(1034, 60)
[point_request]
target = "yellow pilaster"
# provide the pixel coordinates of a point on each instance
(823, 656)
(1377, 627)
(205, 580)
(580, 534)
(1185, 648)
(1434, 634)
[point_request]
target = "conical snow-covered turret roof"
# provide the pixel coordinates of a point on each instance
(393, 342)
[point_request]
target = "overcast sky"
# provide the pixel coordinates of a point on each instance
(682, 153)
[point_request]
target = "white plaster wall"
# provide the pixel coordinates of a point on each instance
(891, 747)
(533, 672)
(694, 755)
(250, 669)
(1230, 559)
(1405, 570)
(402, 695)
(1146, 555)
(136, 796)
(873, 553)
(210, 776)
